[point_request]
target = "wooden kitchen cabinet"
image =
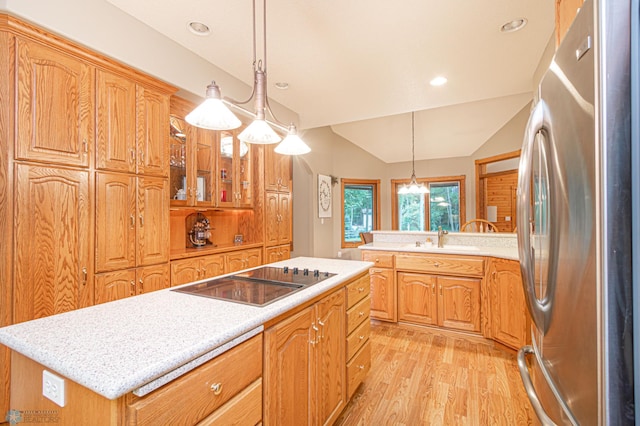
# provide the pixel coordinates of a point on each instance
(451, 302)
(304, 365)
(442, 290)
(152, 137)
(132, 221)
(235, 167)
(566, 11)
(55, 105)
(277, 171)
(115, 122)
(196, 268)
(277, 253)
(53, 270)
(383, 285)
(277, 218)
(110, 286)
(358, 331)
(192, 159)
(509, 319)
(242, 259)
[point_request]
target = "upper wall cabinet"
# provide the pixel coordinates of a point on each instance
(116, 123)
(277, 170)
(54, 106)
(152, 112)
(192, 160)
(234, 169)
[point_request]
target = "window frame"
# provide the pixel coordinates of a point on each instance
(395, 184)
(376, 207)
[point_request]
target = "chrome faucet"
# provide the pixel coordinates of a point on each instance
(441, 234)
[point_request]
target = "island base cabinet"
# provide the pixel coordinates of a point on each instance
(305, 365)
(224, 390)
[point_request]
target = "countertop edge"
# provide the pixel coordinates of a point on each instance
(101, 382)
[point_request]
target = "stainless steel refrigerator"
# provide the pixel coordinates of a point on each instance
(574, 226)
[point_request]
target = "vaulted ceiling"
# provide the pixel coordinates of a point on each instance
(362, 66)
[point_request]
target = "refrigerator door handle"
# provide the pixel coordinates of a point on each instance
(540, 310)
(529, 388)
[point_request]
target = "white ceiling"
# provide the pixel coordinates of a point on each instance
(361, 66)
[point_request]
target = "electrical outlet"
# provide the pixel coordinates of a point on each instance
(507, 218)
(53, 387)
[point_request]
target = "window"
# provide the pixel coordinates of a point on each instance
(360, 208)
(443, 206)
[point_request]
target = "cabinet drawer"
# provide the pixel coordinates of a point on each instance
(357, 314)
(357, 290)
(381, 259)
(358, 338)
(473, 266)
(243, 409)
(358, 368)
(191, 398)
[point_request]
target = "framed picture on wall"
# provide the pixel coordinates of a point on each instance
(324, 196)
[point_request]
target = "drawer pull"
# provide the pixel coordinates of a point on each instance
(436, 264)
(360, 289)
(360, 314)
(361, 337)
(361, 366)
(216, 388)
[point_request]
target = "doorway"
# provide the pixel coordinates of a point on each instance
(496, 189)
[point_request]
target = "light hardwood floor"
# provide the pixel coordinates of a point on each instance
(426, 377)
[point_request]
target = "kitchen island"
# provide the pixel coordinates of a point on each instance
(131, 347)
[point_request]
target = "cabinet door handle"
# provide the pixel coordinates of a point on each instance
(141, 281)
(433, 288)
(132, 157)
(141, 220)
(204, 272)
(133, 221)
(440, 290)
(85, 146)
(361, 366)
(361, 314)
(84, 275)
(216, 388)
(312, 341)
(141, 157)
(132, 289)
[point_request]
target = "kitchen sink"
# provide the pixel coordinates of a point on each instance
(434, 247)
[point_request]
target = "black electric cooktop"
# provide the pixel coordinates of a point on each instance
(257, 287)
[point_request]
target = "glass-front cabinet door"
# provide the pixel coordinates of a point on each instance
(204, 171)
(192, 164)
(226, 193)
(178, 161)
(234, 171)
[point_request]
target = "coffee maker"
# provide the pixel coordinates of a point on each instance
(198, 230)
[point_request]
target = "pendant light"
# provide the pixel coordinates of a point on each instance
(260, 131)
(413, 187)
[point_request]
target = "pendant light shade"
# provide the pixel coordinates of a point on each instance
(213, 114)
(292, 144)
(413, 187)
(260, 131)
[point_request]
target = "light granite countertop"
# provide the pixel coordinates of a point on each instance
(499, 245)
(139, 343)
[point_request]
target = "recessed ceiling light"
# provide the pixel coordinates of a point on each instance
(282, 85)
(515, 25)
(199, 28)
(438, 81)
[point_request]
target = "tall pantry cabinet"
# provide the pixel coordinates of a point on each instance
(83, 179)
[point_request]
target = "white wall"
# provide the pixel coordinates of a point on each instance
(333, 155)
